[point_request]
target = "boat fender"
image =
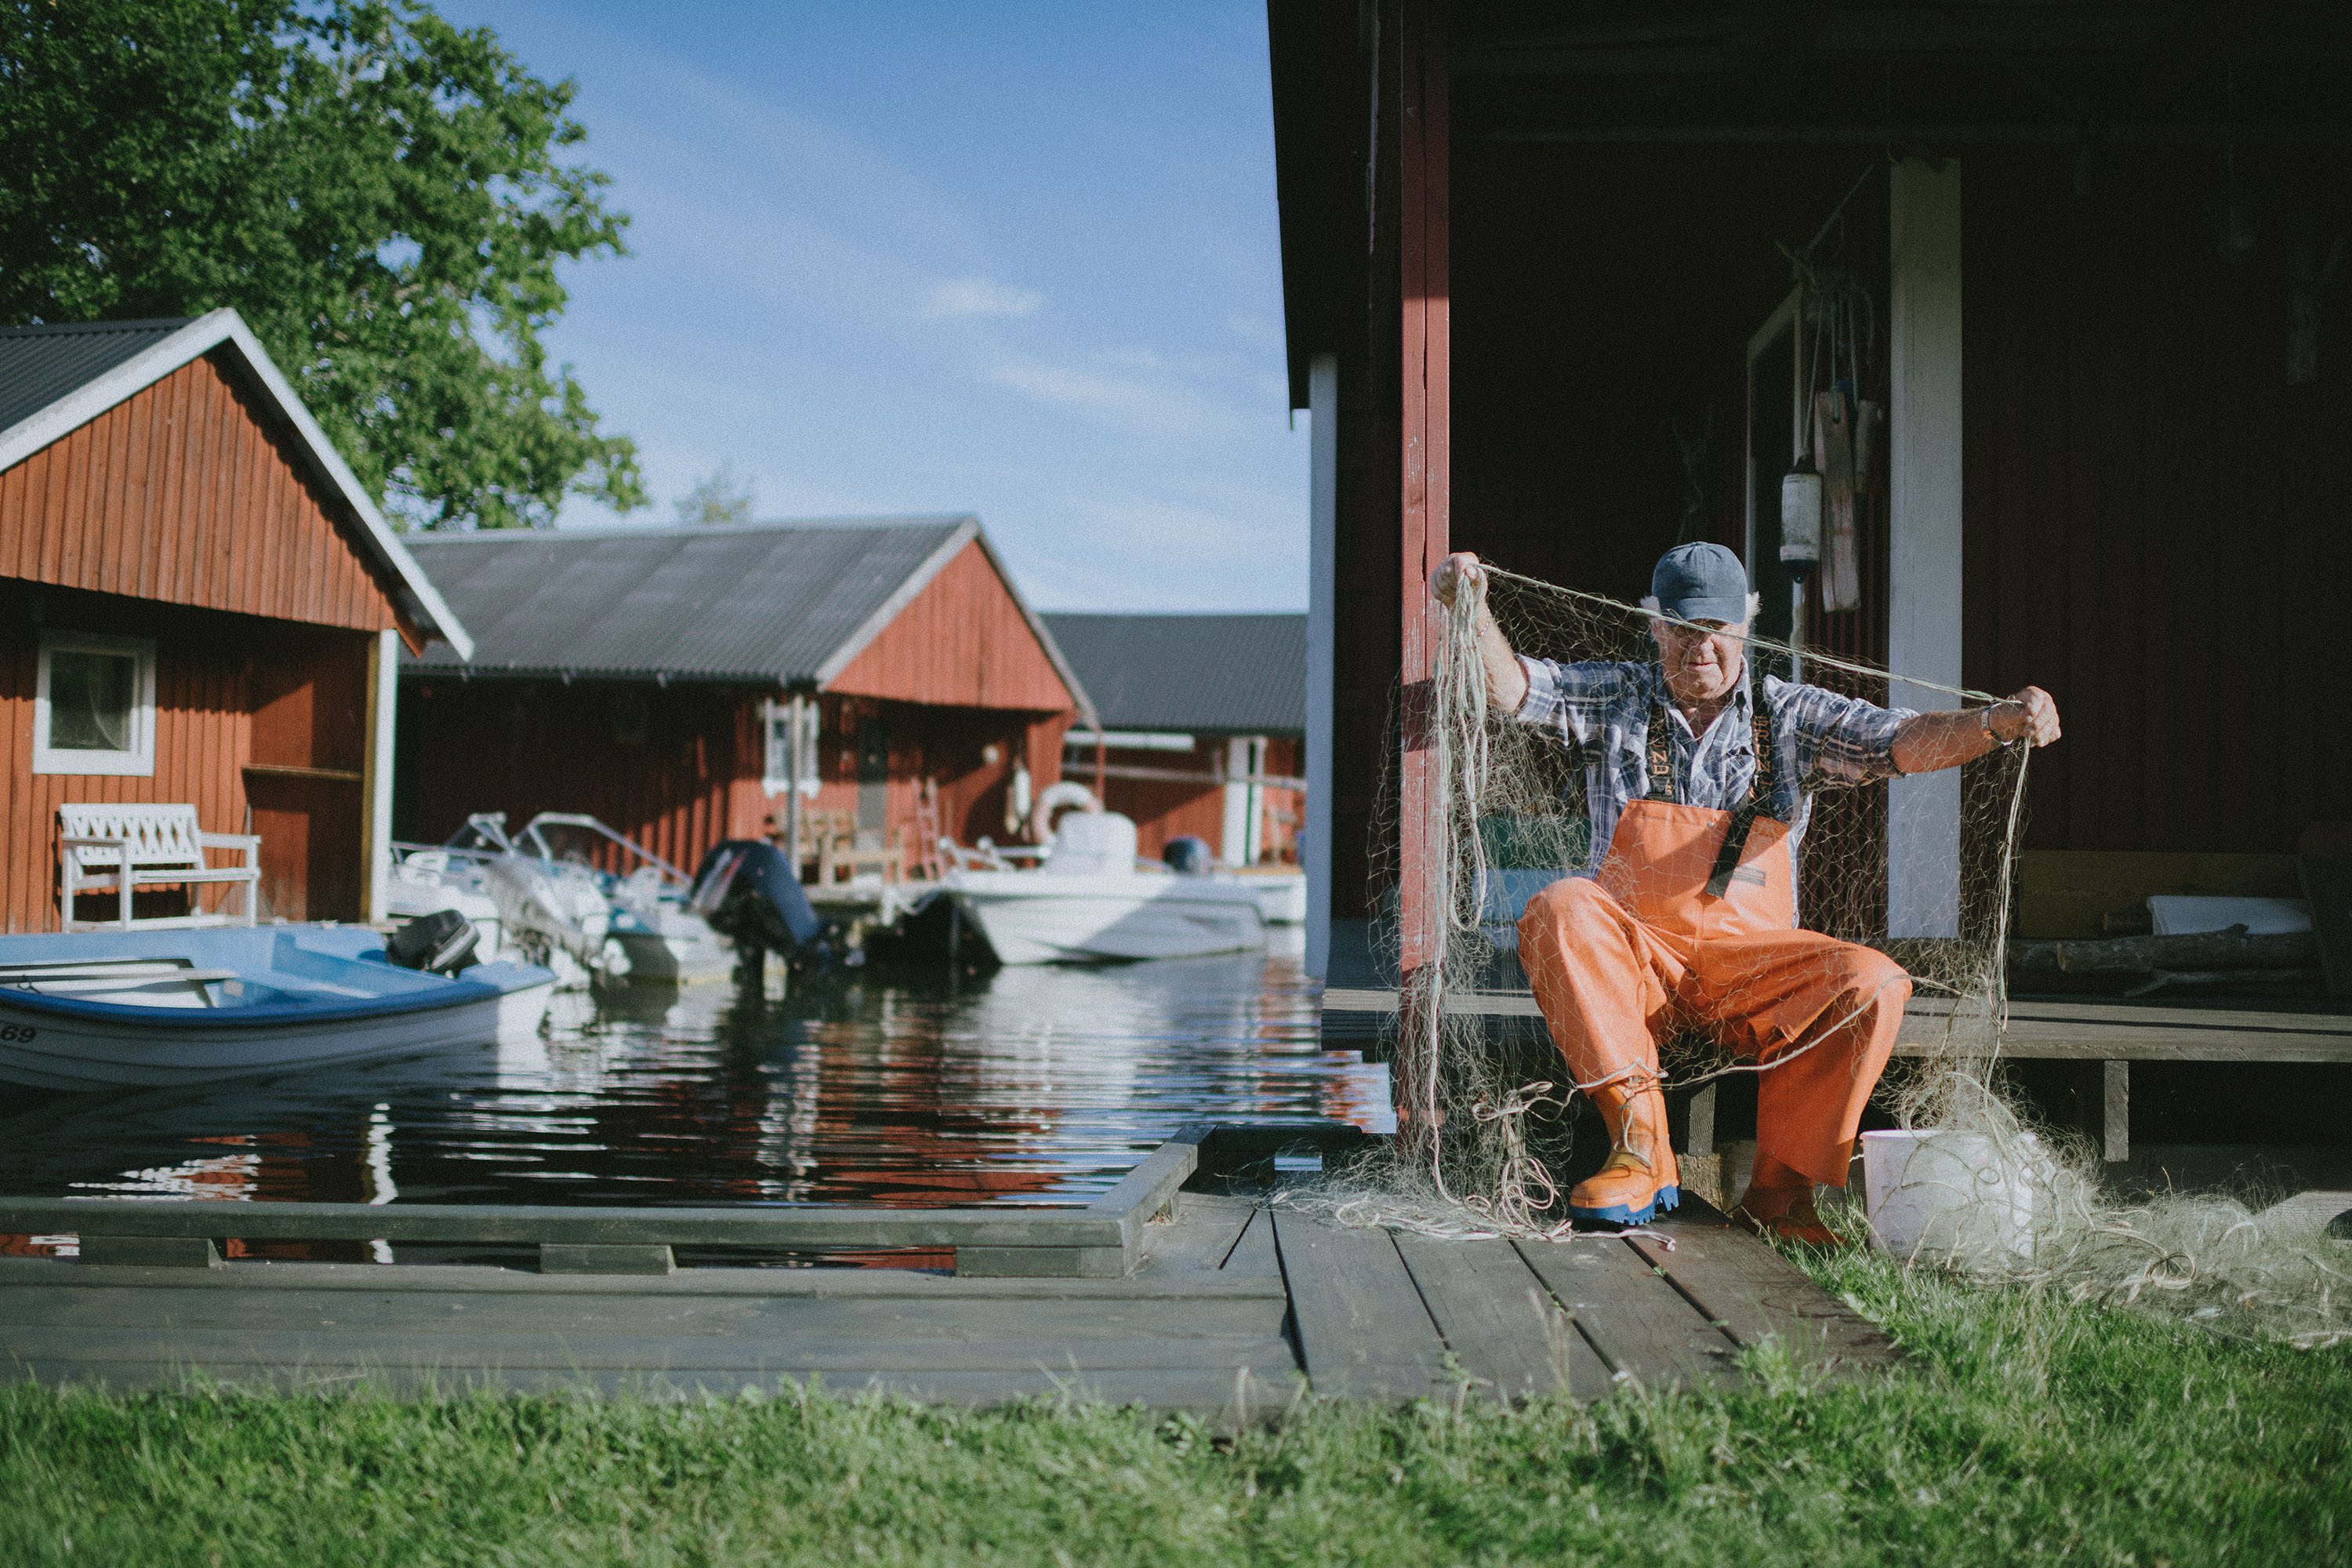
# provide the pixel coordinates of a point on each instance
(751, 895)
(1188, 857)
(439, 943)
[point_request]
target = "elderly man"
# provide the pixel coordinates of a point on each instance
(1700, 781)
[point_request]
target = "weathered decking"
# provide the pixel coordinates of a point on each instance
(1233, 1308)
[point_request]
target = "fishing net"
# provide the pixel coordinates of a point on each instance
(1918, 870)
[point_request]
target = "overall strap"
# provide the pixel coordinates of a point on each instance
(1661, 748)
(1760, 793)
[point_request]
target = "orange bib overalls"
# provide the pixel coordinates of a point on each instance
(1675, 934)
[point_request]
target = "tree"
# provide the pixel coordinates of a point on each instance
(382, 194)
(720, 496)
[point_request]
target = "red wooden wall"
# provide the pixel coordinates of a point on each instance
(675, 768)
(679, 768)
(2158, 528)
(1163, 808)
(961, 642)
(1173, 808)
(182, 494)
(229, 690)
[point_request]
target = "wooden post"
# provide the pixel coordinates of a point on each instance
(1424, 288)
(382, 652)
(793, 722)
(1102, 796)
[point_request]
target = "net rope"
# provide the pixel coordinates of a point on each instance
(1487, 1149)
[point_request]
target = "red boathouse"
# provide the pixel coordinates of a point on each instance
(687, 685)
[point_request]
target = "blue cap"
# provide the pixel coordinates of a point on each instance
(1701, 583)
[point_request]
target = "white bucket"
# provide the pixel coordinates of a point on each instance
(1948, 1196)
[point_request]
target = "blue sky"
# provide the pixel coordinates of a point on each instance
(1007, 259)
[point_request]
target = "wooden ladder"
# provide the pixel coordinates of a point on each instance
(927, 830)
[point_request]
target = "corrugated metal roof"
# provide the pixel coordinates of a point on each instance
(758, 601)
(1235, 675)
(39, 365)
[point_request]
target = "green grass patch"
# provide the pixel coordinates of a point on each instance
(2029, 1430)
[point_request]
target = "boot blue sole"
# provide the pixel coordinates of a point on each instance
(1625, 1213)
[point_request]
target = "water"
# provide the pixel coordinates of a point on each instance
(1034, 1084)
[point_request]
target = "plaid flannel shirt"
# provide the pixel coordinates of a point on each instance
(1601, 712)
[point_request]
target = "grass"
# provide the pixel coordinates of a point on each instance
(2031, 1431)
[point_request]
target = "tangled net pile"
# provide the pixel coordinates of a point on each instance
(1471, 1163)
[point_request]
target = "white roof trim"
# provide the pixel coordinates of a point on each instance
(198, 338)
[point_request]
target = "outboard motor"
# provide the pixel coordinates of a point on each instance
(750, 894)
(1188, 856)
(439, 943)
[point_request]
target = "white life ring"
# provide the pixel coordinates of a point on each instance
(1067, 795)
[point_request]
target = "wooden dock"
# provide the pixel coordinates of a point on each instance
(2113, 1033)
(1232, 1307)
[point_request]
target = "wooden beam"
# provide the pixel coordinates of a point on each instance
(1425, 287)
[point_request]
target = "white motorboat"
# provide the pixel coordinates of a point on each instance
(1281, 895)
(428, 878)
(110, 1009)
(1093, 899)
(530, 906)
(650, 933)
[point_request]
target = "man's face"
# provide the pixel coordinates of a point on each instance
(1702, 659)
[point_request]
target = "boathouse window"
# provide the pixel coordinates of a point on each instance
(791, 737)
(94, 705)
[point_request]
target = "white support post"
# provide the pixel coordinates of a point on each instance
(1235, 848)
(1923, 628)
(375, 848)
(1322, 556)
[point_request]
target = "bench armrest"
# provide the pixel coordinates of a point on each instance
(76, 841)
(228, 840)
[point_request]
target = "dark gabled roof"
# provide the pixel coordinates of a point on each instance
(785, 603)
(39, 365)
(1233, 675)
(54, 379)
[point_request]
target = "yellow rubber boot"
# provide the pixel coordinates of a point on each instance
(1640, 1178)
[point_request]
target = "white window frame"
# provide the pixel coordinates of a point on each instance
(139, 761)
(779, 774)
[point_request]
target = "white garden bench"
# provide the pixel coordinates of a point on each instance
(120, 849)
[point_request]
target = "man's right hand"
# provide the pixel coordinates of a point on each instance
(1457, 569)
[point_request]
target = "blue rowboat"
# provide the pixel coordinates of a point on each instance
(141, 1008)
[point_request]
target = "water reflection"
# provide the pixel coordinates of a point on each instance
(1035, 1084)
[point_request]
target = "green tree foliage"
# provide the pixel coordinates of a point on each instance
(383, 195)
(717, 497)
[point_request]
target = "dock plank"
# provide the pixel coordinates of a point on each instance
(1632, 1315)
(1207, 1225)
(1363, 1330)
(1499, 1318)
(876, 1319)
(1253, 1255)
(211, 1349)
(1226, 1398)
(1754, 1293)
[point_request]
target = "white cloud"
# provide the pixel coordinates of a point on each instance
(979, 297)
(1137, 402)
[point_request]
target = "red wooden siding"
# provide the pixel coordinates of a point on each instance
(209, 669)
(962, 642)
(2158, 525)
(677, 769)
(1163, 808)
(182, 494)
(693, 775)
